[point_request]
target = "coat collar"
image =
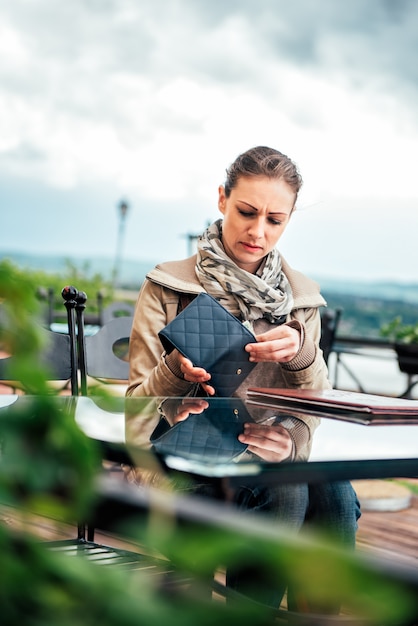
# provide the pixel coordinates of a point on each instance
(180, 276)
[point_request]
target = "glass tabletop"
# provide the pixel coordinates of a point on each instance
(201, 436)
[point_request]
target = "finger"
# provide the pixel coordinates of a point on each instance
(273, 352)
(208, 389)
(186, 365)
(184, 361)
(194, 405)
(276, 432)
(181, 416)
(262, 444)
(195, 374)
(189, 407)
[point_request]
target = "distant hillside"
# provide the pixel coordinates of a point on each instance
(362, 316)
(386, 290)
(132, 273)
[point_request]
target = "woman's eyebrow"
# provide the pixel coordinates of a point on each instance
(248, 204)
(256, 209)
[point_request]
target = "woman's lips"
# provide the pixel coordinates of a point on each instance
(251, 247)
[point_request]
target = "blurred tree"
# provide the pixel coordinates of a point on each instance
(48, 466)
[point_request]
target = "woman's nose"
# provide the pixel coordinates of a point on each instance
(256, 228)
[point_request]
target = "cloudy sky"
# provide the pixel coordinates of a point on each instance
(150, 101)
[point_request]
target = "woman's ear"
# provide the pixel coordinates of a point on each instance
(221, 199)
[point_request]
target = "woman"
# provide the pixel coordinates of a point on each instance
(237, 263)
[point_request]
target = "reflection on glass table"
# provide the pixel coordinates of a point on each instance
(200, 436)
(203, 436)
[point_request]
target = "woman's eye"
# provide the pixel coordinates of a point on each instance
(252, 214)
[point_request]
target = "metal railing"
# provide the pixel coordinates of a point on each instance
(372, 348)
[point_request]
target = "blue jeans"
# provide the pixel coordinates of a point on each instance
(331, 508)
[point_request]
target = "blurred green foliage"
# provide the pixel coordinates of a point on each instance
(48, 466)
(43, 283)
(399, 332)
(364, 316)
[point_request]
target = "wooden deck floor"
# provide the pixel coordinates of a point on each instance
(392, 535)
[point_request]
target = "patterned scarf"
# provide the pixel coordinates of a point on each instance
(248, 296)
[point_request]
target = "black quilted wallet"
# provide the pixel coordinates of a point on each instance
(212, 338)
(210, 436)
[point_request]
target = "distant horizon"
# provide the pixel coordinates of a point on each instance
(135, 269)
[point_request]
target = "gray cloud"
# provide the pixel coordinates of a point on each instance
(146, 98)
(130, 29)
(219, 41)
(102, 66)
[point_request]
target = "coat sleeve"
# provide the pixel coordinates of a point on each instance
(308, 369)
(149, 374)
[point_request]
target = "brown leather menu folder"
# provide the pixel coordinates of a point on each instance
(336, 399)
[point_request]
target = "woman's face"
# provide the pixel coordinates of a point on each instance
(255, 216)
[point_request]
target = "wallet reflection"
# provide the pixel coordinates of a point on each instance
(217, 430)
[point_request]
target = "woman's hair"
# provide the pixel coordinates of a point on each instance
(263, 161)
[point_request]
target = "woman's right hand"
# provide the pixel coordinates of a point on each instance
(195, 374)
(270, 443)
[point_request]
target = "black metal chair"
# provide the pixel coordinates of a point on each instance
(58, 352)
(132, 509)
(107, 350)
(58, 356)
(70, 357)
(55, 356)
(103, 357)
(330, 319)
(115, 310)
(407, 355)
(63, 356)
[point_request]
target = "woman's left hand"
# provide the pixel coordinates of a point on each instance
(278, 345)
(270, 443)
(195, 374)
(189, 406)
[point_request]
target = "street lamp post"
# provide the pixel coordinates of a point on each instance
(123, 210)
(191, 240)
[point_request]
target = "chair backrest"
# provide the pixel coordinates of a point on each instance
(55, 356)
(116, 309)
(330, 319)
(58, 352)
(102, 356)
(106, 351)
